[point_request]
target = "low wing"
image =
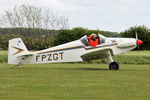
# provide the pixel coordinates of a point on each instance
(95, 55)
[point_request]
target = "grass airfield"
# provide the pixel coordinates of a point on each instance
(74, 82)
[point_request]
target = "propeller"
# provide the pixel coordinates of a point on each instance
(139, 42)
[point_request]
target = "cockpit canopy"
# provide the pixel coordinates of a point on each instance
(84, 40)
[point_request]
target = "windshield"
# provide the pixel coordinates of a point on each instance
(84, 40)
(102, 38)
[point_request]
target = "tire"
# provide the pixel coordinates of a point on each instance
(113, 66)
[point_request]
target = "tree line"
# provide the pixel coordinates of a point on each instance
(37, 39)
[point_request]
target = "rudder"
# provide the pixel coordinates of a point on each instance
(16, 48)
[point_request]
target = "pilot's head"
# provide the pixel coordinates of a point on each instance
(93, 36)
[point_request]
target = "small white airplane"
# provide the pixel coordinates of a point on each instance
(75, 51)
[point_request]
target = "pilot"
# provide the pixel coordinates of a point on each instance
(93, 40)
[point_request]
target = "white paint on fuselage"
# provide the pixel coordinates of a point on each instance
(72, 51)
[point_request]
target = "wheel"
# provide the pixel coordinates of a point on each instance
(113, 66)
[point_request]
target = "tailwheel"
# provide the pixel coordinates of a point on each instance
(113, 66)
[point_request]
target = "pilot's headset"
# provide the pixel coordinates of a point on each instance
(93, 36)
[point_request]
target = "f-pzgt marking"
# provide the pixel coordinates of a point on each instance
(50, 57)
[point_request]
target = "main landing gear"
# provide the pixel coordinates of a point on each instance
(112, 65)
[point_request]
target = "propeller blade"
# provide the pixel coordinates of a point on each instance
(136, 35)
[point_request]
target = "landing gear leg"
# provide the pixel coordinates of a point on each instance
(112, 65)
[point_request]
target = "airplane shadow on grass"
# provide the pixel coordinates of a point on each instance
(95, 69)
(58, 68)
(88, 69)
(67, 68)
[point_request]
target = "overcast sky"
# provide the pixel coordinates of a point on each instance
(109, 15)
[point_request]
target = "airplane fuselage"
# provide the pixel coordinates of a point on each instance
(76, 51)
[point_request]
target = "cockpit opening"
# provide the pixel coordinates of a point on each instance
(85, 41)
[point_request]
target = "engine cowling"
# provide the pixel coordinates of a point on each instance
(126, 44)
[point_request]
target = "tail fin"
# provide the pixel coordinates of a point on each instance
(16, 49)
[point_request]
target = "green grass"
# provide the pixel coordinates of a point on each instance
(3, 56)
(131, 57)
(74, 82)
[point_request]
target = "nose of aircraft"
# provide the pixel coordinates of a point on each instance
(139, 42)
